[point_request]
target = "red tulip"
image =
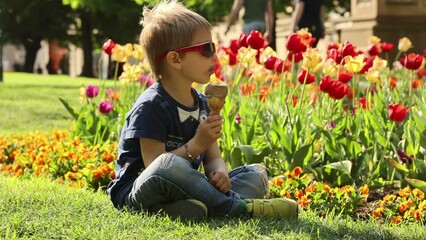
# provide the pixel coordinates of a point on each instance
(350, 93)
(368, 64)
(232, 59)
(397, 112)
(348, 49)
(363, 103)
(294, 43)
(326, 84)
(412, 61)
(255, 40)
(242, 41)
(424, 53)
(335, 54)
(333, 45)
(269, 63)
(282, 66)
(345, 77)
(234, 45)
(108, 46)
(387, 47)
(338, 90)
(298, 56)
(374, 50)
(421, 73)
(303, 79)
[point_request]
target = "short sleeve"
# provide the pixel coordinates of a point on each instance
(147, 120)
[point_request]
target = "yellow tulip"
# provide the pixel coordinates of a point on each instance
(379, 64)
(304, 32)
(374, 40)
(329, 68)
(145, 66)
(137, 52)
(130, 73)
(355, 65)
(247, 56)
(404, 44)
(372, 75)
(266, 53)
(223, 58)
(118, 54)
(311, 58)
(128, 48)
(260, 74)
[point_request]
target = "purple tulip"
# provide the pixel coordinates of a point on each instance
(238, 119)
(331, 125)
(145, 80)
(105, 107)
(92, 91)
(404, 157)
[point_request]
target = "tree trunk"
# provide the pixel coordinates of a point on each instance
(86, 27)
(31, 48)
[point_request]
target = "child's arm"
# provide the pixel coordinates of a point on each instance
(216, 169)
(207, 133)
(150, 150)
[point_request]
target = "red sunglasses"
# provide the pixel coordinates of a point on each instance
(207, 49)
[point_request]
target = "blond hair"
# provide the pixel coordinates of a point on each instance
(167, 26)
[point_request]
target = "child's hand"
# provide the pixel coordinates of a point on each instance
(220, 180)
(209, 131)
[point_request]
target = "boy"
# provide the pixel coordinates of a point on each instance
(168, 133)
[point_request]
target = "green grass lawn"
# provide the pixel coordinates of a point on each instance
(29, 102)
(41, 209)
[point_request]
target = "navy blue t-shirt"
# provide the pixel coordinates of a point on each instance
(155, 115)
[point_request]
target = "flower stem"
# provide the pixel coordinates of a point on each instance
(115, 74)
(383, 154)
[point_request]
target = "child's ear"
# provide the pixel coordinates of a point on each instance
(174, 59)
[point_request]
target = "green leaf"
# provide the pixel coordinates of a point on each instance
(301, 156)
(69, 109)
(236, 158)
(398, 165)
(417, 183)
(423, 139)
(253, 155)
(421, 167)
(329, 148)
(343, 166)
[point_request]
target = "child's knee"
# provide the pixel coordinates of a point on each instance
(263, 172)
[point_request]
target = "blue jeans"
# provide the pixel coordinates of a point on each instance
(171, 178)
(254, 25)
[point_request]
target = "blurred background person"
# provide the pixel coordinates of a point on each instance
(258, 15)
(309, 14)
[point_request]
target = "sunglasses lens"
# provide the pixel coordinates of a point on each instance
(208, 49)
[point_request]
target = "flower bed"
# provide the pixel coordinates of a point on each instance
(347, 130)
(72, 162)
